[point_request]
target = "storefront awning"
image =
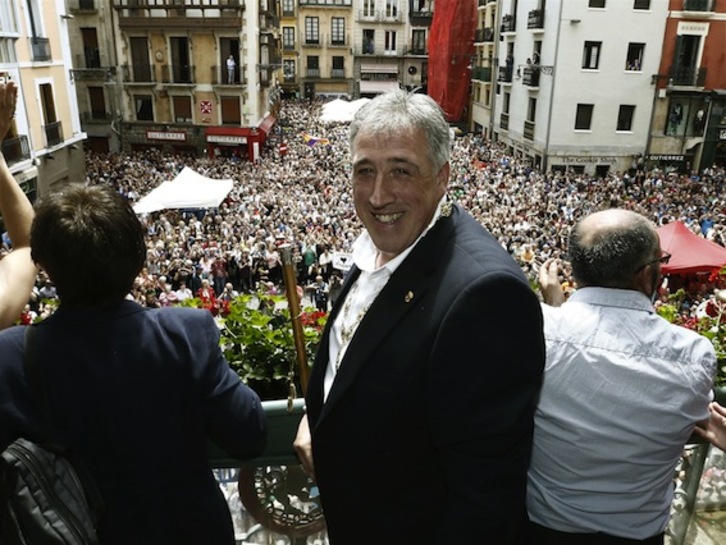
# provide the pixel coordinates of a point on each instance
(267, 123)
(378, 69)
(377, 86)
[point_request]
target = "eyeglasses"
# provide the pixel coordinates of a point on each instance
(665, 258)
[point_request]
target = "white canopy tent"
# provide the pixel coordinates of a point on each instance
(340, 110)
(188, 190)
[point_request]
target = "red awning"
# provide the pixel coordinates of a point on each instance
(267, 123)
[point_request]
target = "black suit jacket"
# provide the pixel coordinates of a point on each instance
(426, 434)
(137, 393)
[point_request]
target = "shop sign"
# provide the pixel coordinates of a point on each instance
(175, 136)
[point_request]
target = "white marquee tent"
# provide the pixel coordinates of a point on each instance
(188, 190)
(340, 110)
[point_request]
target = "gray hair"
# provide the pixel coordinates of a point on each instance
(399, 110)
(611, 255)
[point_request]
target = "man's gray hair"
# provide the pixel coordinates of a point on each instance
(394, 111)
(611, 256)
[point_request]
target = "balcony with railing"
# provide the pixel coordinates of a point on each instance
(312, 73)
(338, 73)
(379, 16)
(484, 35)
(178, 74)
(191, 14)
(220, 76)
(505, 74)
(504, 121)
(421, 17)
(40, 49)
(482, 74)
(91, 68)
(138, 73)
(53, 133)
(687, 76)
(417, 51)
(509, 23)
(15, 149)
(96, 116)
(530, 76)
(535, 20)
(82, 6)
(699, 7)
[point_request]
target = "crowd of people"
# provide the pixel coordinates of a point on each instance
(303, 197)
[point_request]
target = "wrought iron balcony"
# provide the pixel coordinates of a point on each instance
(484, 35)
(505, 74)
(482, 73)
(138, 73)
(220, 76)
(530, 76)
(178, 73)
(191, 14)
(53, 133)
(535, 19)
(504, 121)
(15, 149)
(419, 17)
(40, 48)
(698, 5)
(509, 23)
(75, 6)
(99, 116)
(337, 72)
(687, 76)
(313, 72)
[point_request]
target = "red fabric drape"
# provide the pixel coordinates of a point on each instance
(451, 48)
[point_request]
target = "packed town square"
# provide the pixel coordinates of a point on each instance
(303, 197)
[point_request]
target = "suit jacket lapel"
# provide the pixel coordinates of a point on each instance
(401, 294)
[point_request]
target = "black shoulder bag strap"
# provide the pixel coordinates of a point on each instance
(39, 390)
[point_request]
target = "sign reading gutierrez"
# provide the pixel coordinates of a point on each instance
(175, 136)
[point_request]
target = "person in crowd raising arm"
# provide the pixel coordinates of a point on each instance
(17, 270)
(421, 398)
(714, 429)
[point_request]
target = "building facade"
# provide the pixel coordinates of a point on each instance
(689, 118)
(572, 93)
(44, 146)
(486, 37)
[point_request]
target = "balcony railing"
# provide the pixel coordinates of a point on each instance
(220, 76)
(484, 35)
(528, 130)
(138, 73)
(505, 74)
(530, 76)
(82, 5)
(162, 14)
(40, 48)
(177, 73)
(313, 72)
(15, 149)
(53, 133)
(504, 121)
(98, 116)
(482, 73)
(698, 5)
(535, 19)
(509, 23)
(688, 76)
(337, 72)
(379, 16)
(417, 51)
(420, 17)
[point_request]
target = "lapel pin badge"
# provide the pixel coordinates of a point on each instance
(408, 297)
